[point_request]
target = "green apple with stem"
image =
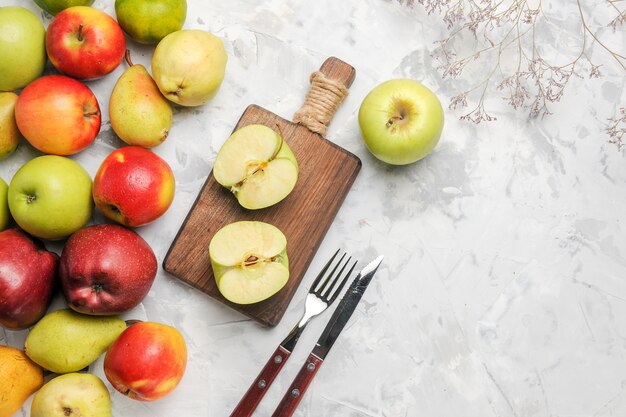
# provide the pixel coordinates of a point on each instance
(5, 216)
(72, 394)
(257, 166)
(401, 121)
(249, 261)
(50, 197)
(22, 47)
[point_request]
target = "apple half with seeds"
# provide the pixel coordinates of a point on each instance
(257, 166)
(249, 260)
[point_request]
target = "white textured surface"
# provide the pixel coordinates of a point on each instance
(503, 289)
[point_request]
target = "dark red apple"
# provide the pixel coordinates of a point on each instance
(106, 269)
(27, 279)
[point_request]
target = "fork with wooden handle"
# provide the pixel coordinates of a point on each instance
(337, 322)
(322, 293)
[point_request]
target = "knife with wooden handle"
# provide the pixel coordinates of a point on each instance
(335, 325)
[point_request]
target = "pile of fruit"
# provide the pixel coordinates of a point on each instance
(107, 269)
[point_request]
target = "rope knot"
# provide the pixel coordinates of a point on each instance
(321, 103)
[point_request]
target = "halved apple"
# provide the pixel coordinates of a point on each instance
(257, 166)
(249, 260)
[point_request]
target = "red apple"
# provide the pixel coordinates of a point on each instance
(147, 361)
(133, 186)
(84, 42)
(106, 269)
(27, 279)
(58, 115)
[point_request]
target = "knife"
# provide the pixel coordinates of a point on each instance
(335, 325)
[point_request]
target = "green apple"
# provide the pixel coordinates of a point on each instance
(55, 6)
(4, 205)
(401, 121)
(72, 394)
(257, 166)
(9, 134)
(22, 47)
(150, 21)
(50, 197)
(249, 261)
(188, 66)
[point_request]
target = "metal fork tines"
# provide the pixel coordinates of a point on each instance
(323, 292)
(321, 295)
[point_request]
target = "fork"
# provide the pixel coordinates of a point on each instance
(321, 295)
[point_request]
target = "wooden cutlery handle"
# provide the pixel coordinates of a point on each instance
(296, 390)
(259, 387)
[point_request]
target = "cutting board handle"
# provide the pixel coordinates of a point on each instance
(329, 87)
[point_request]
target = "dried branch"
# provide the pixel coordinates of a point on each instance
(504, 38)
(617, 129)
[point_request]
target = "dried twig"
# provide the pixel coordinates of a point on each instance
(617, 129)
(504, 35)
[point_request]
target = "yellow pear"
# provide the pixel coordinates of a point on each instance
(9, 135)
(20, 378)
(189, 66)
(139, 113)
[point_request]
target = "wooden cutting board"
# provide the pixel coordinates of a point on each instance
(326, 173)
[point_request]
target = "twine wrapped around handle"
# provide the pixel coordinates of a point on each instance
(321, 103)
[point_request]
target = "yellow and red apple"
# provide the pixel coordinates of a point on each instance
(9, 134)
(84, 42)
(133, 186)
(147, 361)
(58, 115)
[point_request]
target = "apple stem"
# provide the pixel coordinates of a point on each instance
(80, 33)
(392, 119)
(127, 58)
(88, 114)
(130, 322)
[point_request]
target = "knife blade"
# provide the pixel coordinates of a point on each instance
(335, 325)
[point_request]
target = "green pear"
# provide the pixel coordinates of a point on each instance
(66, 341)
(73, 394)
(139, 113)
(55, 6)
(150, 21)
(9, 134)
